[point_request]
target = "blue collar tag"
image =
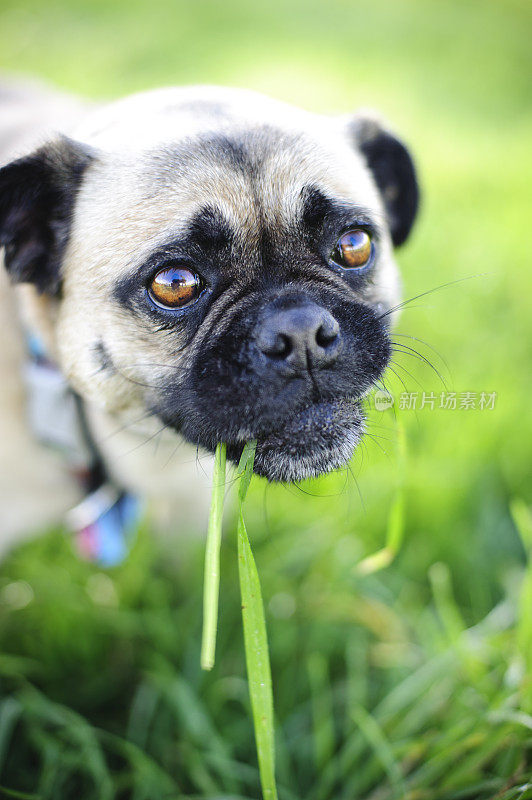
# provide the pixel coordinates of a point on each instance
(105, 522)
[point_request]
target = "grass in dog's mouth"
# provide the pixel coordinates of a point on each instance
(211, 581)
(254, 623)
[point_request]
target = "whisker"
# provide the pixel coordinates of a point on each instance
(403, 384)
(410, 375)
(198, 462)
(174, 451)
(176, 367)
(380, 435)
(134, 382)
(426, 344)
(127, 425)
(411, 351)
(427, 292)
(145, 442)
(352, 474)
(373, 424)
(374, 438)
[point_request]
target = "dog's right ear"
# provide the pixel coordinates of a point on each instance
(37, 196)
(393, 171)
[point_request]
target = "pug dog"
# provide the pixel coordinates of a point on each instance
(199, 265)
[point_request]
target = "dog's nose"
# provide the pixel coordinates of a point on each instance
(304, 337)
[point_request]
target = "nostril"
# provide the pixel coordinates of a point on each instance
(327, 333)
(279, 347)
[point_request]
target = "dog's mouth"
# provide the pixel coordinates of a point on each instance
(306, 416)
(313, 439)
(318, 439)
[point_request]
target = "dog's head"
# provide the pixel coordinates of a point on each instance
(222, 260)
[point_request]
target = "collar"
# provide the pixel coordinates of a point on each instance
(103, 522)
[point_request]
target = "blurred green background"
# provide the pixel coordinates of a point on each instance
(413, 681)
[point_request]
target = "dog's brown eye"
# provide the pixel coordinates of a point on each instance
(352, 250)
(174, 287)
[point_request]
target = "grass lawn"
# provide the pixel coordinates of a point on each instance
(414, 681)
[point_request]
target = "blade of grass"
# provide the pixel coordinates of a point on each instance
(10, 711)
(245, 470)
(322, 710)
(255, 640)
(522, 516)
(394, 536)
(378, 742)
(451, 619)
(211, 586)
(396, 518)
(13, 793)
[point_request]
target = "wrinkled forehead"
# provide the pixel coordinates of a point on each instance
(253, 179)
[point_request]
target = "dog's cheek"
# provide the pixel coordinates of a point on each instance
(85, 360)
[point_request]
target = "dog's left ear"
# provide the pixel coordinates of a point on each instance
(37, 196)
(393, 171)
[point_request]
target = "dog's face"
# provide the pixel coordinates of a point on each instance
(222, 261)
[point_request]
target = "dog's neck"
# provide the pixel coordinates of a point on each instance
(58, 419)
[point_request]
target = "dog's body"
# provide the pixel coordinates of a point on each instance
(254, 218)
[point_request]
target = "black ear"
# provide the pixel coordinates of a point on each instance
(37, 196)
(393, 171)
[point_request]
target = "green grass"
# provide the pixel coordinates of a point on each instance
(255, 638)
(253, 619)
(211, 573)
(415, 679)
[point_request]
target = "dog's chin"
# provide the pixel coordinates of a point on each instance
(316, 440)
